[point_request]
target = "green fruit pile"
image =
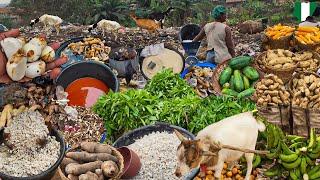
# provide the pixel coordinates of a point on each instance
(238, 78)
(295, 155)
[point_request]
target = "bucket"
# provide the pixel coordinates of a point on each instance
(189, 32)
(130, 137)
(92, 69)
(49, 173)
(123, 68)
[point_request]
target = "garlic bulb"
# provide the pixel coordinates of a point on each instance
(10, 46)
(17, 66)
(48, 54)
(35, 69)
(32, 52)
(38, 41)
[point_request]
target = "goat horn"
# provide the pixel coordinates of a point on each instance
(179, 135)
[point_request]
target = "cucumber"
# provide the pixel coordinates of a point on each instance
(246, 93)
(251, 73)
(240, 62)
(225, 75)
(246, 82)
(238, 82)
(231, 82)
(229, 92)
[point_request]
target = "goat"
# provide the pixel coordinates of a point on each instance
(48, 21)
(238, 134)
(160, 16)
(148, 24)
(105, 25)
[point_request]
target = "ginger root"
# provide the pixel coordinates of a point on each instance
(78, 169)
(90, 157)
(110, 169)
(93, 147)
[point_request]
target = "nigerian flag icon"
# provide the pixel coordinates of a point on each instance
(304, 9)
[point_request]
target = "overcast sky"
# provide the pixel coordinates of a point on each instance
(5, 1)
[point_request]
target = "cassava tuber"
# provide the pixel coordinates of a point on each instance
(78, 169)
(109, 169)
(73, 177)
(93, 147)
(90, 157)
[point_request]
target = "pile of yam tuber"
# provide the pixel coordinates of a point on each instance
(271, 91)
(94, 162)
(306, 90)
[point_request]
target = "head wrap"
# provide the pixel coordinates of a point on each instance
(217, 11)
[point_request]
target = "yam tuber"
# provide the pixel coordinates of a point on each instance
(93, 147)
(88, 176)
(90, 157)
(73, 177)
(78, 169)
(109, 169)
(100, 174)
(6, 113)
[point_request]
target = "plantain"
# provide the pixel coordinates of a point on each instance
(293, 176)
(270, 137)
(286, 149)
(316, 149)
(296, 145)
(314, 170)
(275, 153)
(298, 139)
(303, 165)
(293, 137)
(309, 161)
(272, 172)
(315, 175)
(256, 162)
(276, 137)
(288, 158)
(312, 139)
(292, 165)
(314, 156)
(298, 173)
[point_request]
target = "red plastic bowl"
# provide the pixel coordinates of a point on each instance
(132, 163)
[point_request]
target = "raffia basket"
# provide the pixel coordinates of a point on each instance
(304, 118)
(282, 43)
(308, 47)
(216, 74)
(115, 153)
(315, 56)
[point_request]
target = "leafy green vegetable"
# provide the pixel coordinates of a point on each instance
(166, 84)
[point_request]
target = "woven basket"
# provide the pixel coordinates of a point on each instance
(282, 43)
(216, 74)
(258, 62)
(308, 47)
(115, 153)
(315, 56)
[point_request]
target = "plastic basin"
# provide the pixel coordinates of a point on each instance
(204, 65)
(91, 69)
(132, 163)
(49, 173)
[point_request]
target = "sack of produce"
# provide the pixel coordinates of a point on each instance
(305, 89)
(278, 37)
(307, 38)
(273, 101)
(235, 77)
(279, 62)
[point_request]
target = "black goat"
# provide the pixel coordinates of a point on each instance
(160, 16)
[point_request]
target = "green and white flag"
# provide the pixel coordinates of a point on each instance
(304, 9)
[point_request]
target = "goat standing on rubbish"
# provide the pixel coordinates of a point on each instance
(224, 141)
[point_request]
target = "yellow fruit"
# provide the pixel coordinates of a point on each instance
(209, 172)
(238, 177)
(229, 174)
(209, 177)
(225, 166)
(234, 171)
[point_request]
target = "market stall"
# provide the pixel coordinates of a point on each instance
(79, 126)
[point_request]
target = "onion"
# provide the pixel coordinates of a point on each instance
(10, 46)
(48, 54)
(38, 41)
(32, 52)
(17, 66)
(35, 69)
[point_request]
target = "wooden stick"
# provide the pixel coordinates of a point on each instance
(244, 150)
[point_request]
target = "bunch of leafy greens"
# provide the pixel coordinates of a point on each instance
(216, 108)
(169, 85)
(169, 99)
